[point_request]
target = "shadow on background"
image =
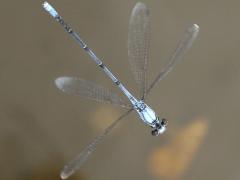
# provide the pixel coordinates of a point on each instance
(30, 150)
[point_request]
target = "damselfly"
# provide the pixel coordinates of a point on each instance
(138, 43)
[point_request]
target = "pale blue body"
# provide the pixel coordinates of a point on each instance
(146, 114)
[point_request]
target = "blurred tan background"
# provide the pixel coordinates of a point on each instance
(42, 128)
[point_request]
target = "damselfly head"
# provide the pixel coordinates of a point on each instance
(160, 127)
(164, 122)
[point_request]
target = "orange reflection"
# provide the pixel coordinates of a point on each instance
(172, 160)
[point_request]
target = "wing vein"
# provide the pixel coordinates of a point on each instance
(76, 163)
(138, 44)
(177, 55)
(89, 90)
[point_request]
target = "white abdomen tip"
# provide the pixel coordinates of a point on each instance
(50, 9)
(194, 28)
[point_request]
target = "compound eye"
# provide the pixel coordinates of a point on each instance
(164, 122)
(155, 132)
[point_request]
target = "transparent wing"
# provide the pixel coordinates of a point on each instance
(75, 164)
(181, 49)
(138, 44)
(87, 89)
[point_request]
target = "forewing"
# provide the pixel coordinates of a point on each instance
(138, 44)
(177, 55)
(76, 163)
(87, 89)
